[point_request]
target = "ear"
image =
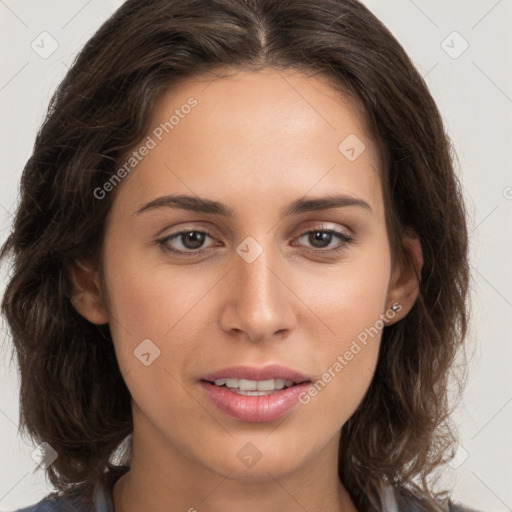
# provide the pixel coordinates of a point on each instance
(404, 285)
(86, 296)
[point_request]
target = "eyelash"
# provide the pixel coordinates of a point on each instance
(163, 242)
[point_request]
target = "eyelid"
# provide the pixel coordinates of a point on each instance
(325, 226)
(188, 227)
(310, 226)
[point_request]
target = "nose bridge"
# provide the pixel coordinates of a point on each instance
(257, 281)
(258, 302)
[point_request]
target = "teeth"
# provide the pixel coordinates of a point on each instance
(247, 385)
(232, 383)
(255, 385)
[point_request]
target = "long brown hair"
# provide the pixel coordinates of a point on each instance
(72, 392)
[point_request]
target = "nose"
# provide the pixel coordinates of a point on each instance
(259, 303)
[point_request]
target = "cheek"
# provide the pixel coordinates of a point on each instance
(348, 307)
(155, 318)
(150, 300)
(348, 297)
(147, 296)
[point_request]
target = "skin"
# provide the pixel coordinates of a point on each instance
(256, 142)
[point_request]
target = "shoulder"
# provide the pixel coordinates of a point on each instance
(409, 498)
(52, 503)
(455, 507)
(101, 498)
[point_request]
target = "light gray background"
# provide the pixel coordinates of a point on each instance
(474, 93)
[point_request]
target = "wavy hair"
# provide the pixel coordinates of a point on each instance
(72, 393)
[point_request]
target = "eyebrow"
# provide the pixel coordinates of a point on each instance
(302, 205)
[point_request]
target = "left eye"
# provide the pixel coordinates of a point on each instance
(193, 240)
(319, 237)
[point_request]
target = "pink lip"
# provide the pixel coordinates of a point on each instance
(255, 408)
(273, 371)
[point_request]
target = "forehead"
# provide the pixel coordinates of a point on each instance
(250, 133)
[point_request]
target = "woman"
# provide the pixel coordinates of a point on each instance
(240, 266)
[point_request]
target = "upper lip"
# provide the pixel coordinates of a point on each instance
(272, 371)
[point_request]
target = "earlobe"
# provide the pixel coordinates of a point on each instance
(86, 296)
(405, 281)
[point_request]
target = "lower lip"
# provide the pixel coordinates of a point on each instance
(254, 408)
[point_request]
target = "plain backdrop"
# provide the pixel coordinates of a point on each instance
(462, 48)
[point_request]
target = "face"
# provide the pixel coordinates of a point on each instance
(276, 271)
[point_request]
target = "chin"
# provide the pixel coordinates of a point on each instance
(255, 458)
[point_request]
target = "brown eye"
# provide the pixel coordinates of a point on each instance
(321, 239)
(191, 241)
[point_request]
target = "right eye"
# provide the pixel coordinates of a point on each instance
(191, 241)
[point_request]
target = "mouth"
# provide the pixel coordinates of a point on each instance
(253, 381)
(255, 394)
